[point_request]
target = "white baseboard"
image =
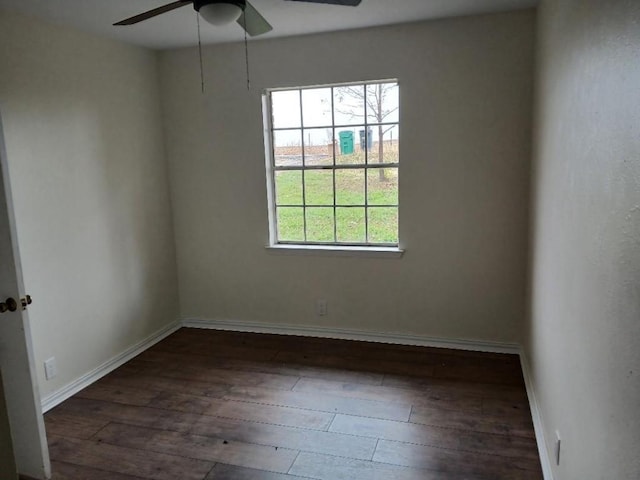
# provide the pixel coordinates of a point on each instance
(536, 416)
(348, 334)
(97, 373)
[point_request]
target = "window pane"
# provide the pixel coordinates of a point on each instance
(383, 225)
(287, 148)
(332, 141)
(320, 224)
(382, 186)
(350, 187)
(289, 188)
(350, 225)
(290, 224)
(382, 103)
(348, 150)
(316, 107)
(285, 109)
(318, 147)
(387, 150)
(348, 105)
(318, 186)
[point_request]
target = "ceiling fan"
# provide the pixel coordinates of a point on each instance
(222, 12)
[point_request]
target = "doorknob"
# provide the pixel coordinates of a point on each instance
(9, 304)
(26, 300)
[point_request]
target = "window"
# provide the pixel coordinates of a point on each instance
(332, 166)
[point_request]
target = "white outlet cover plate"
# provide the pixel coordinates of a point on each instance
(321, 307)
(50, 368)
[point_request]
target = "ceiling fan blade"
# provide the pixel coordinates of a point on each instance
(347, 3)
(154, 12)
(255, 23)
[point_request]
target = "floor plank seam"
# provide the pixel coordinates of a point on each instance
(121, 422)
(274, 357)
(330, 423)
(164, 453)
(411, 413)
(209, 472)
(334, 413)
(441, 471)
(447, 449)
(294, 462)
(375, 462)
(287, 473)
(280, 405)
(317, 377)
(480, 432)
(229, 417)
(92, 468)
(92, 437)
(375, 449)
(299, 451)
(191, 432)
(293, 389)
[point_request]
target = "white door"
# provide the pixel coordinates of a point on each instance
(7, 462)
(16, 355)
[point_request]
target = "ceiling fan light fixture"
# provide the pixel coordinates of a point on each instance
(221, 13)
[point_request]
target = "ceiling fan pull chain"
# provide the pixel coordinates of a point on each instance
(200, 54)
(246, 51)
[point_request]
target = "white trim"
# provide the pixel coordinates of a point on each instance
(59, 396)
(536, 416)
(348, 334)
(335, 250)
(268, 155)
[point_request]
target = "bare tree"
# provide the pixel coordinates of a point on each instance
(375, 97)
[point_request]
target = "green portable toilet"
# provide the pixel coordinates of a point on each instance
(346, 142)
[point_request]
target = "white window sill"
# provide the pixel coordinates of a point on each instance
(336, 251)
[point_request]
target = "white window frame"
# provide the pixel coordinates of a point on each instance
(366, 248)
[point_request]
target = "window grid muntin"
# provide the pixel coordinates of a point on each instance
(347, 166)
(333, 150)
(338, 126)
(334, 167)
(304, 190)
(366, 171)
(353, 205)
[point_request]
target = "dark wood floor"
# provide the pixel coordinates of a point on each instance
(231, 406)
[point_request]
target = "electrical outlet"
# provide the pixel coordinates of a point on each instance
(558, 443)
(321, 308)
(50, 368)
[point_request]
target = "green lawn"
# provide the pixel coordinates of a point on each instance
(350, 210)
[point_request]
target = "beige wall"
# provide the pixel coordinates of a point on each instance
(584, 335)
(85, 148)
(465, 136)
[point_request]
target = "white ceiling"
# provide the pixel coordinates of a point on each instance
(178, 28)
